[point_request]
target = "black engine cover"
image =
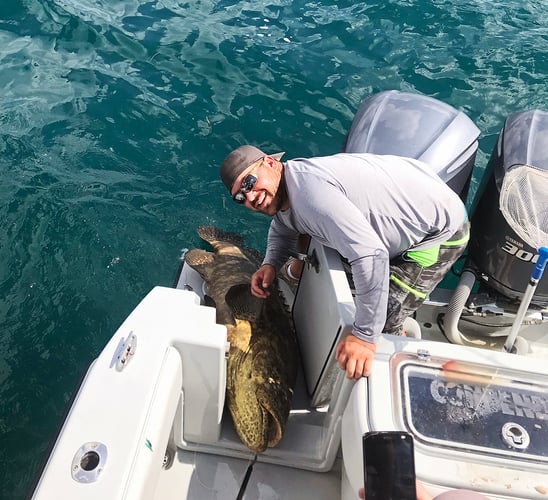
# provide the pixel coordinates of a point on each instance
(501, 256)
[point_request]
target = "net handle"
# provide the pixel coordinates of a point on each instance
(541, 264)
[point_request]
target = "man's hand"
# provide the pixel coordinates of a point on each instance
(355, 356)
(422, 492)
(261, 280)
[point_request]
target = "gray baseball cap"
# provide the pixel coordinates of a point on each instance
(237, 161)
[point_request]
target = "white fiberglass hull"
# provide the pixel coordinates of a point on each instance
(154, 426)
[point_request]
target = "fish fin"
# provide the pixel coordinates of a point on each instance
(201, 261)
(215, 236)
(253, 255)
(243, 304)
(220, 239)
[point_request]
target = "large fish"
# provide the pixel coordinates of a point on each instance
(262, 361)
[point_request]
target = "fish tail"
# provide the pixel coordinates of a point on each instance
(215, 236)
(201, 261)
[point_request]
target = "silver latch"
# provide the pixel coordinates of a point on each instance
(310, 260)
(126, 351)
(423, 355)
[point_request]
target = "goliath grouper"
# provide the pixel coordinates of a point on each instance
(262, 361)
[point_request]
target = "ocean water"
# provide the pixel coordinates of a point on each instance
(114, 117)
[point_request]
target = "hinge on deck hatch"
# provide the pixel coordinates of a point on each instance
(423, 355)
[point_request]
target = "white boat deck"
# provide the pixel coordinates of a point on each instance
(215, 476)
(208, 477)
(144, 411)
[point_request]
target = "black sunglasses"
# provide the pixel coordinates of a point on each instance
(247, 185)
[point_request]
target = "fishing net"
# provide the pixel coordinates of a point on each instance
(524, 203)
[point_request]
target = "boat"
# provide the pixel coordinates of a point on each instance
(148, 420)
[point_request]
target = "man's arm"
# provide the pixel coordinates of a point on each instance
(281, 240)
(339, 224)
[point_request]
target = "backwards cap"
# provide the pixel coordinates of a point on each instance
(237, 161)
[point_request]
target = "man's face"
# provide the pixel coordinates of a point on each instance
(257, 186)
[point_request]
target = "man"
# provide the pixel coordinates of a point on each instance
(396, 222)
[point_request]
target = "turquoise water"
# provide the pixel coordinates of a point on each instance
(114, 116)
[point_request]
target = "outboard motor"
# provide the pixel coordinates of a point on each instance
(498, 258)
(419, 127)
(503, 259)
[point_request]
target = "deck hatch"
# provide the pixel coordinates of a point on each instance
(475, 408)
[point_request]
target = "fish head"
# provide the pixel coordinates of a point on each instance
(261, 401)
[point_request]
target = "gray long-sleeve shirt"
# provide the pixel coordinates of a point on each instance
(370, 208)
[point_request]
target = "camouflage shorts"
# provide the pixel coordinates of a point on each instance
(413, 275)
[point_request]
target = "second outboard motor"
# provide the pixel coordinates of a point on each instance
(502, 259)
(497, 257)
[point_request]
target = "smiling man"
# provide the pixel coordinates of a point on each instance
(396, 222)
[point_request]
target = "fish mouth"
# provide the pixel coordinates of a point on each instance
(272, 421)
(270, 433)
(265, 432)
(274, 429)
(260, 425)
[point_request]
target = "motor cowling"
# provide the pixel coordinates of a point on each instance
(503, 261)
(419, 127)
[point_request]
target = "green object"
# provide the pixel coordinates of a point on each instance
(428, 257)
(405, 286)
(456, 243)
(424, 258)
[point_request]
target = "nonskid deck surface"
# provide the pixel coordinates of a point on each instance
(478, 332)
(199, 475)
(204, 476)
(222, 469)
